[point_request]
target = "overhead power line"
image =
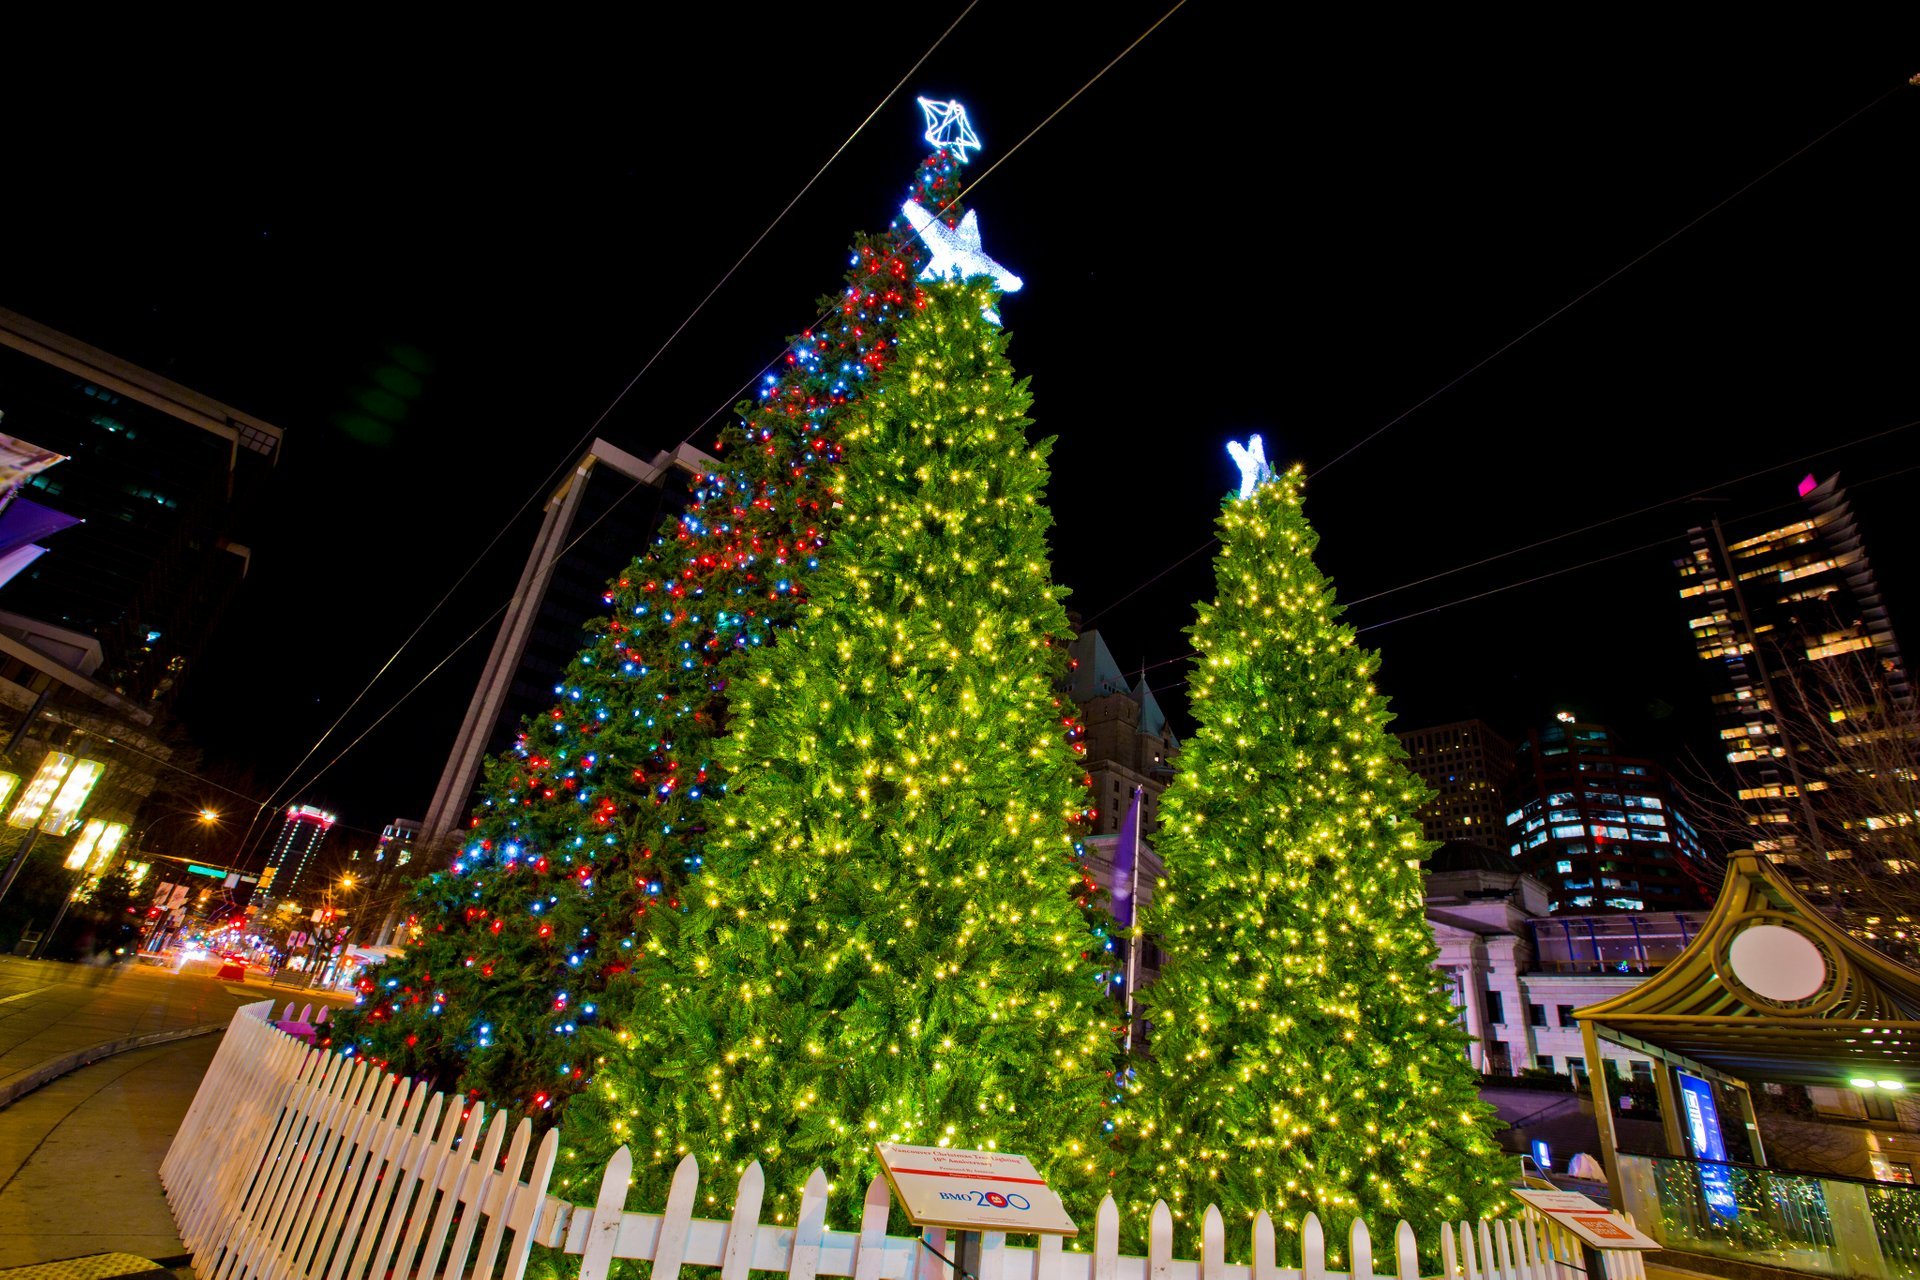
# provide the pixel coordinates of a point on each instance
(727, 404)
(567, 459)
(1592, 289)
(1537, 326)
(1664, 540)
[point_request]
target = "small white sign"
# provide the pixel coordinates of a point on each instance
(1600, 1227)
(972, 1190)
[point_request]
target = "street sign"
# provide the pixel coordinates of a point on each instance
(972, 1190)
(1596, 1225)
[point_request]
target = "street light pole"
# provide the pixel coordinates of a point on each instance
(208, 817)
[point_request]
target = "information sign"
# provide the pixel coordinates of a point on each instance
(1594, 1224)
(972, 1190)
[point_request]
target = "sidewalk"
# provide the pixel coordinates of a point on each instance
(55, 1017)
(80, 1158)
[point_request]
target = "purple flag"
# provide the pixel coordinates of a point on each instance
(1126, 864)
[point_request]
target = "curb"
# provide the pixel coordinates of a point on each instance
(19, 1085)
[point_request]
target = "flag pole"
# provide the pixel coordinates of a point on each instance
(1133, 910)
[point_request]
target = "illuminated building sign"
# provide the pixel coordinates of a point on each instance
(84, 844)
(63, 815)
(96, 844)
(40, 792)
(108, 846)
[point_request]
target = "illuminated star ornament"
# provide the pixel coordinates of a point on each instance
(1251, 458)
(956, 251)
(947, 127)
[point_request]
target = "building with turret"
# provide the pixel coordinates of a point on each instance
(1129, 743)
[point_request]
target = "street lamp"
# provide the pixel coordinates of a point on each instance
(207, 817)
(327, 929)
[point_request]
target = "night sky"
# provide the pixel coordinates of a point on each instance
(1249, 224)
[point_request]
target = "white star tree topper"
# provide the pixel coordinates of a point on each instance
(1251, 458)
(947, 128)
(956, 251)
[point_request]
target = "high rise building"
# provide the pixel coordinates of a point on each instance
(300, 834)
(1787, 615)
(163, 480)
(1602, 830)
(1467, 765)
(1129, 743)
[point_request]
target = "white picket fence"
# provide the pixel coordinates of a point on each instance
(293, 1164)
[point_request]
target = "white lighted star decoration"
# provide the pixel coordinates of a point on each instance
(956, 251)
(1251, 458)
(947, 127)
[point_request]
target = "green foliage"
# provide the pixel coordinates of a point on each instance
(590, 826)
(888, 940)
(1304, 1055)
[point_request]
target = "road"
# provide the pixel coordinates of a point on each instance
(49, 1011)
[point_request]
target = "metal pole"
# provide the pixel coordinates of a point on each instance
(966, 1255)
(19, 860)
(46, 939)
(1135, 939)
(33, 714)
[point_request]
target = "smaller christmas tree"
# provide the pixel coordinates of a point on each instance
(1305, 1056)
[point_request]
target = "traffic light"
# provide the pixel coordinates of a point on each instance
(266, 877)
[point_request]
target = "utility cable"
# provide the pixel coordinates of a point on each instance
(1559, 311)
(1588, 292)
(1540, 542)
(957, 197)
(471, 636)
(1665, 540)
(568, 459)
(731, 400)
(1601, 524)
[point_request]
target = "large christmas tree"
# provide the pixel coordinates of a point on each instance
(888, 939)
(1304, 1055)
(590, 825)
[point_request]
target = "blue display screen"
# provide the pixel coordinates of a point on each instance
(1703, 1135)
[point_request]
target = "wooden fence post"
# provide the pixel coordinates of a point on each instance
(1313, 1248)
(604, 1234)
